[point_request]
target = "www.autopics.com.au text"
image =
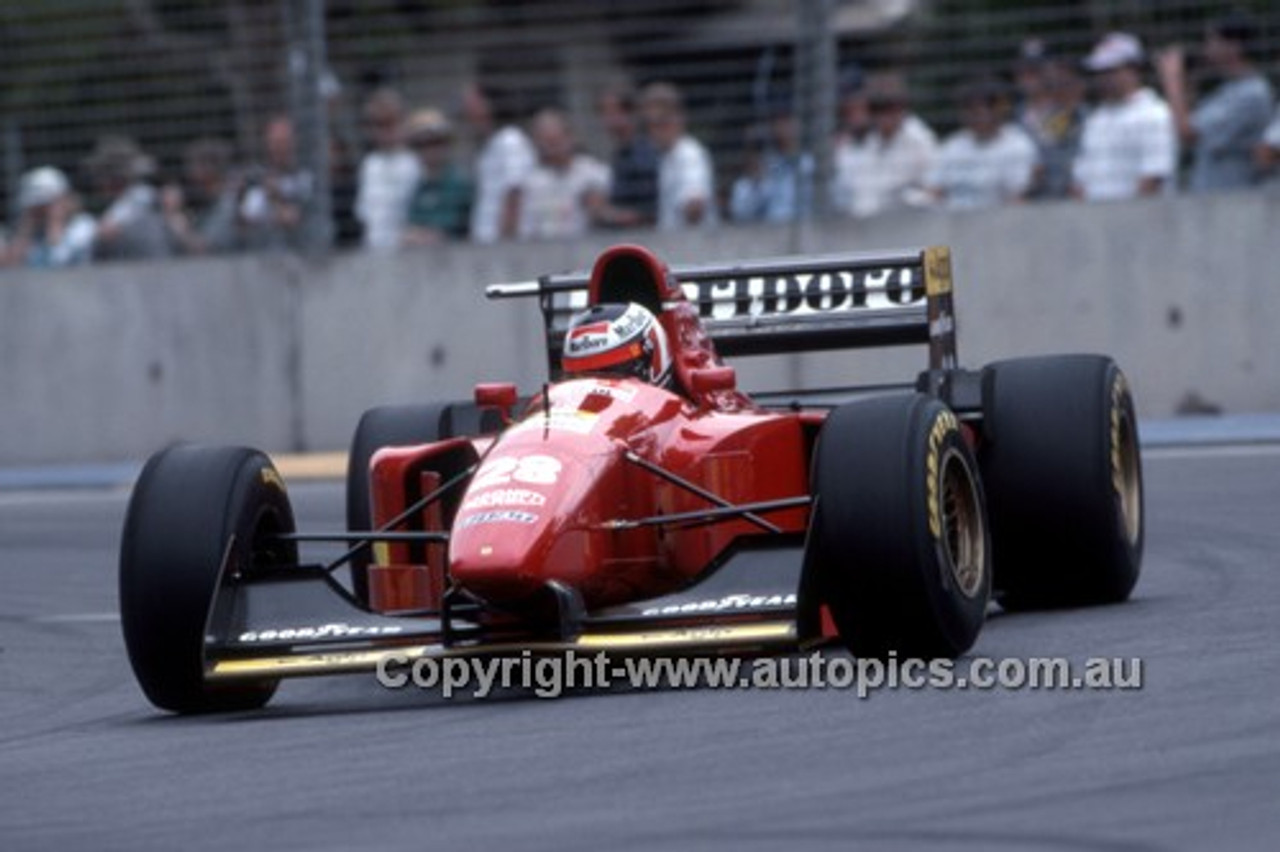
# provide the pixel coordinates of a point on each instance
(550, 676)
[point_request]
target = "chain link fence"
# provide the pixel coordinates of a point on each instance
(246, 123)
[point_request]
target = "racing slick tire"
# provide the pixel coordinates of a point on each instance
(899, 538)
(1062, 464)
(196, 514)
(385, 426)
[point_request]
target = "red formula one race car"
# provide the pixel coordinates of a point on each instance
(642, 504)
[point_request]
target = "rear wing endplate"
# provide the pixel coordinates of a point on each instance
(792, 304)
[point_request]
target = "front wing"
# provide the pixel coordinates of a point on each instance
(300, 622)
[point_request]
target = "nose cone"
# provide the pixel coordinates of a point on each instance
(498, 554)
(525, 502)
(533, 511)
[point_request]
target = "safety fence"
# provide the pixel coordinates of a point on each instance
(224, 125)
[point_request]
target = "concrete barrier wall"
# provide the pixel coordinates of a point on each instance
(284, 353)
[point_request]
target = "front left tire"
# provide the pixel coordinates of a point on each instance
(898, 540)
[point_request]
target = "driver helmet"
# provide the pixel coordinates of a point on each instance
(617, 340)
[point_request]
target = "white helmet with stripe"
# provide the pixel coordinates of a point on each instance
(617, 340)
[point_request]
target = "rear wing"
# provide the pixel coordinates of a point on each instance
(791, 304)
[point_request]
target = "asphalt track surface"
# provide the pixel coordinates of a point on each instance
(1190, 761)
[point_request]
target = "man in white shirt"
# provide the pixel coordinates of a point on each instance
(1129, 146)
(505, 158)
(388, 174)
(989, 161)
(686, 178)
(557, 196)
(885, 170)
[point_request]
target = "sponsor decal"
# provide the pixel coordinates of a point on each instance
(580, 344)
(560, 419)
(530, 470)
(572, 395)
(509, 516)
(622, 394)
(807, 293)
(944, 425)
(937, 269)
(505, 497)
(270, 476)
(1117, 401)
(629, 323)
(728, 603)
(943, 325)
(333, 630)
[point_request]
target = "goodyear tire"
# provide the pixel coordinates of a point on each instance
(198, 518)
(386, 426)
(898, 538)
(1063, 470)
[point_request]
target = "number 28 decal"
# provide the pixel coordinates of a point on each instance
(531, 470)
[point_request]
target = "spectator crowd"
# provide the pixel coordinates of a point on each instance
(1117, 124)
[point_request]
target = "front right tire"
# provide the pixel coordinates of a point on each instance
(198, 518)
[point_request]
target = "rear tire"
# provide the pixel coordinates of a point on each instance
(1063, 469)
(193, 509)
(898, 539)
(386, 426)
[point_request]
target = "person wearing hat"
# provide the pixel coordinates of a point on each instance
(440, 206)
(1224, 127)
(132, 226)
(1128, 148)
(989, 161)
(53, 231)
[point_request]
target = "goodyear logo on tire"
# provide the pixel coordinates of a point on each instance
(271, 477)
(1118, 390)
(944, 425)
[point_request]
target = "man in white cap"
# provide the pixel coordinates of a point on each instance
(1129, 146)
(440, 206)
(53, 230)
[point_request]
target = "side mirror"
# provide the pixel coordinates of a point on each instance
(499, 395)
(711, 379)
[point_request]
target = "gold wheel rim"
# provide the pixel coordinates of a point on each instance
(963, 534)
(1127, 478)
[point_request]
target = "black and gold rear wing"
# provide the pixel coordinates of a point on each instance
(793, 304)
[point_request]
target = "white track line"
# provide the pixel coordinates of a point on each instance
(77, 618)
(1208, 451)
